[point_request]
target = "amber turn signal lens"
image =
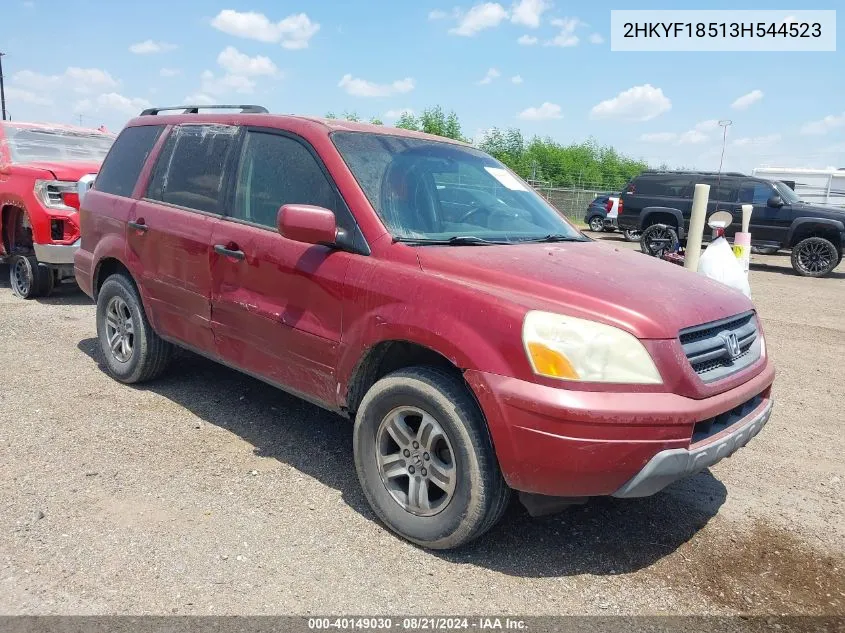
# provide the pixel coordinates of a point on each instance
(548, 362)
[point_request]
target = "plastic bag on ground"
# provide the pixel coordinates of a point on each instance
(719, 262)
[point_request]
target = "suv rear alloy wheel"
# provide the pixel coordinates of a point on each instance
(28, 279)
(425, 459)
(596, 224)
(658, 239)
(132, 350)
(814, 257)
(631, 235)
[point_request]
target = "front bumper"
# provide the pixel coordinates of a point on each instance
(572, 443)
(56, 253)
(671, 465)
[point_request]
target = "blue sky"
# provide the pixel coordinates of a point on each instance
(544, 66)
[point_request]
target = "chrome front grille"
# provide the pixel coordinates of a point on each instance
(718, 349)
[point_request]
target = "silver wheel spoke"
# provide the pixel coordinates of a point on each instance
(399, 431)
(442, 475)
(115, 342)
(393, 465)
(418, 494)
(428, 432)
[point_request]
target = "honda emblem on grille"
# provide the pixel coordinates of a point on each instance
(731, 344)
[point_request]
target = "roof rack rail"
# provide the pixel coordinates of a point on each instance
(693, 171)
(194, 109)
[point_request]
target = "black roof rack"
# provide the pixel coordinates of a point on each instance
(693, 171)
(194, 109)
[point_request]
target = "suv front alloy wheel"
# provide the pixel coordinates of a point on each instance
(814, 257)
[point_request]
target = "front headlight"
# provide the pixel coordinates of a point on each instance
(567, 348)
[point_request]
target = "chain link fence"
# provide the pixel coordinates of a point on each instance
(571, 202)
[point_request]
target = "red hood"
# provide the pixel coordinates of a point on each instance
(66, 170)
(648, 297)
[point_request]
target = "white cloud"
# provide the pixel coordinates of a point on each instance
(227, 84)
(25, 96)
(527, 40)
(747, 100)
(437, 14)
(543, 113)
(595, 38)
(169, 72)
(529, 12)
(768, 139)
(710, 125)
(566, 37)
(640, 103)
(199, 99)
(363, 88)
(148, 47)
(692, 137)
(491, 74)
(516, 79)
(480, 17)
(81, 80)
(395, 114)
(112, 102)
(830, 122)
(659, 137)
(237, 63)
(294, 32)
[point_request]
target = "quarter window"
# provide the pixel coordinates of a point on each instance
(663, 186)
(126, 158)
(191, 170)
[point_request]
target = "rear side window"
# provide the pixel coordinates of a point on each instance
(722, 191)
(663, 186)
(191, 169)
(276, 170)
(124, 162)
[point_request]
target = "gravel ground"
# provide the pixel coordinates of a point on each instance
(208, 492)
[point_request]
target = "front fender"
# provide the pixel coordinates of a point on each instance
(836, 225)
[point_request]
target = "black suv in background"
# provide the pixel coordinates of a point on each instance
(780, 219)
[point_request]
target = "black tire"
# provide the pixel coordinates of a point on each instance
(480, 495)
(150, 354)
(764, 250)
(29, 279)
(658, 232)
(596, 224)
(631, 235)
(815, 257)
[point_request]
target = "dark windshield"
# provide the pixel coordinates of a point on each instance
(788, 195)
(427, 190)
(27, 145)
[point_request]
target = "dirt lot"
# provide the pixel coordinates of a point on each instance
(208, 492)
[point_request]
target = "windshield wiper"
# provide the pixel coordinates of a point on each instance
(457, 240)
(555, 237)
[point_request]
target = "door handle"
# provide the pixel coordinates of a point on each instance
(139, 226)
(220, 249)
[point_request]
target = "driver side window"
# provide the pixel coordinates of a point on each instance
(755, 193)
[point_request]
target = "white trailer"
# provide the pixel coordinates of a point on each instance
(813, 186)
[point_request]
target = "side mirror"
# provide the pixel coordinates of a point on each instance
(307, 224)
(775, 201)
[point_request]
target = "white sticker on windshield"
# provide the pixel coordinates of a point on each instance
(506, 178)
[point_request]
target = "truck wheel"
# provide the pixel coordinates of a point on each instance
(658, 239)
(28, 279)
(596, 224)
(814, 257)
(425, 459)
(631, 235)
(132, 350)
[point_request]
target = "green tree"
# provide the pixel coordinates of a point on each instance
(407, 121)
(376, 121)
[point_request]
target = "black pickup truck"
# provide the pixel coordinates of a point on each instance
(780, 219)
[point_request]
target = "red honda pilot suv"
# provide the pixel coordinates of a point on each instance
(417, 286)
